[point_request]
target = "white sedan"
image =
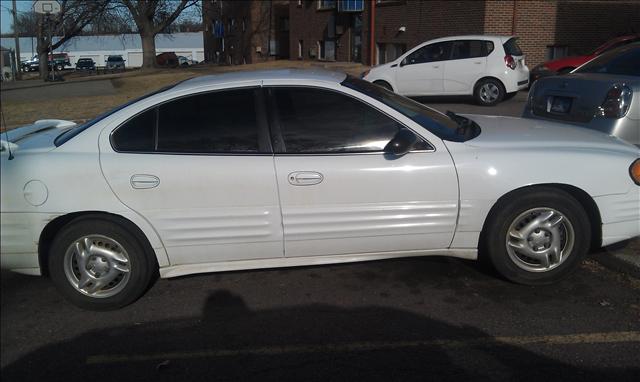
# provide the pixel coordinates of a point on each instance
(287, 168)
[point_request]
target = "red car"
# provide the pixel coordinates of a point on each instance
(566, 64)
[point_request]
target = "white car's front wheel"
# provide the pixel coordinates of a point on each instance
(98, 265)
(538, 237)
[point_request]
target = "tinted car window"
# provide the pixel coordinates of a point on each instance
(623, 61)
(430, 53)
(322, 121)
(437, 123)
(470, 49)
(512, 48)
(218, 122)
(137, 134)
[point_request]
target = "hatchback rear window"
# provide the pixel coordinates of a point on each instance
(512, 48)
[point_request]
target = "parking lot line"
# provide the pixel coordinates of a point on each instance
(565, 339)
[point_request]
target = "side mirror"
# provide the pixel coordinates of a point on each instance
(401, 143)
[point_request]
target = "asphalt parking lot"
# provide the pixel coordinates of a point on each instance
(403, 319)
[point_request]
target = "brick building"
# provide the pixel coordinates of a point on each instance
(341, 30)
(245, 31)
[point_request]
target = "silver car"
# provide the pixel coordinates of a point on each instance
(603, 94)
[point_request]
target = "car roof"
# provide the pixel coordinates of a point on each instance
(301, 75)
(475, 37)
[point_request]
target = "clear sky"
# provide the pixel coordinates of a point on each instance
(7, 17)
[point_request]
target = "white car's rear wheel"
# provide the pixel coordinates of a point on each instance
(538, 237)
(98, 265)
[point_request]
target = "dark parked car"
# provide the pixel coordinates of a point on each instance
(168, 59)
(85, 64)
(603, 94)
(115, 62)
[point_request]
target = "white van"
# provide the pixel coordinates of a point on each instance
(488, 67)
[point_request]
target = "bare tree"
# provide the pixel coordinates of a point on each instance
(152, 17)
(74, 16)
(26, 24)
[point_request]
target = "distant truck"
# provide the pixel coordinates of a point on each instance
(58, 61)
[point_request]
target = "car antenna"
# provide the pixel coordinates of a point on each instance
(6, 131)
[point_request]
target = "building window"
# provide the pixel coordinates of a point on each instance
(244, 24)
(557, 51)
(326, 4)
(299, 3)
(300, 48)
(389, 52)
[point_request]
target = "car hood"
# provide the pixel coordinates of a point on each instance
(512, 132)
(37, 137)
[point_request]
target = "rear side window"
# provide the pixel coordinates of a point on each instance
(217, 122)
(434, 52)
(512, 48)
(137, 134)
(323, 121)
(624, 61)
(470, 49)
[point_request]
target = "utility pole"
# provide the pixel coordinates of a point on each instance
(16, 36)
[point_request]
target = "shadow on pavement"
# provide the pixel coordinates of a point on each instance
(309, 342)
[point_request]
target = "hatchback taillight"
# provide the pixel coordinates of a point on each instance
(617, 102)
(510, 62)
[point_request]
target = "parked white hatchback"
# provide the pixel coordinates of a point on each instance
(489, 68)
(288, 168)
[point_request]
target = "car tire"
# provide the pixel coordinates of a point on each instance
(384, 84)
(489, 92)
(527, 227)
(109, 261)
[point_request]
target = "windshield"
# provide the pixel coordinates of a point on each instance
(623, 61)
(67, 135)
(114, 58)
(437, 123)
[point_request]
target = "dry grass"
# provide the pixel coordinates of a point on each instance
(82, 108)
(131, 86)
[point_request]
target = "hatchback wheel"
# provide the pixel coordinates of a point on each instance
(98, 265)
(489, 92)
(538, 237)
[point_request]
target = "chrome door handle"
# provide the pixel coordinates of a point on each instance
(478, 62)
(436, 66)
(142, 181)
(305, 178)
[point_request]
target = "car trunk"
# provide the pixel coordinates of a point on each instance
(570, 98)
